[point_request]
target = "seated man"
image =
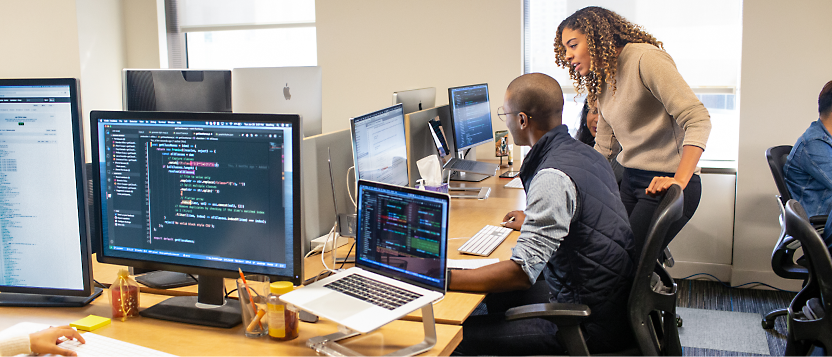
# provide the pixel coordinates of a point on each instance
(575, 231)
(808, 169)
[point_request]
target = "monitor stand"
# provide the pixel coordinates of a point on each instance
(210, 308)
(37, 300)
(161, 279)
(467, 176)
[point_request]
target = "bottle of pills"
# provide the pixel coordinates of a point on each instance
(283, 320)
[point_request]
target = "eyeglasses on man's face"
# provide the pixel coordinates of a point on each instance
(502, 113)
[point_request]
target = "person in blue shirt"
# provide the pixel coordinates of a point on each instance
(808, 169)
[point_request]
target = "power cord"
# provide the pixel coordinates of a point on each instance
(348, 186)
(345, 258)
(738, 286)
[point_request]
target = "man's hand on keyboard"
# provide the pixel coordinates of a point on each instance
(518, 218)
(45, 342)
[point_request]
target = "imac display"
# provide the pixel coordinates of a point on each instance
(470, 115)
(184, 90)
(280, 90)
(199, 193)
(415, 100)
(45, 257)
(379, 146)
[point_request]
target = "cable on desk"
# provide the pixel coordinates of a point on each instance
(101, 285)
(229, 293)
(348, 255)
(738, 286)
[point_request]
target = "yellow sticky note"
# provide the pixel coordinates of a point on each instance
(90, 323)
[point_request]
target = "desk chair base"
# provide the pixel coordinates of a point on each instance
(329, 346)
(768, 320)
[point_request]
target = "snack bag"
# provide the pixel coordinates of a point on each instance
(124, 296)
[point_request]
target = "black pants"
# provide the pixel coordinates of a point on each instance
(641, 207)
(491, 334)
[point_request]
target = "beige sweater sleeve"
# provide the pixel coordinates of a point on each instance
(662, 79)
(605, 142)
(16, 345)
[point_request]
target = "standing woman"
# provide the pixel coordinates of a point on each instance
(645, 107)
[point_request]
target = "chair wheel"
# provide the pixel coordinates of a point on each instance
(679, 321)
(767, 324)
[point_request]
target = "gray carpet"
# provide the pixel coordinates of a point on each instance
(722, 330)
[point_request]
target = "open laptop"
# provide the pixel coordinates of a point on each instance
(401, 260)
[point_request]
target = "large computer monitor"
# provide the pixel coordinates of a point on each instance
(379, 147)
(415, 100)
(199, 193)
(182, 90)
(470, 116)
(280, 90)
(45, 258)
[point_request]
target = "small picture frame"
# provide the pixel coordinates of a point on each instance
(501, 143)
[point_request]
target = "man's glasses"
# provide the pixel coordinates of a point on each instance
(502, 113)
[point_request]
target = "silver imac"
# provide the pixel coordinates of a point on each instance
(280, 90)
(416, 99)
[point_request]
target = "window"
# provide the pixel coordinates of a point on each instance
(221, 34)
(703, 37)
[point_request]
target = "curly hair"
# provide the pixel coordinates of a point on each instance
(583, 134)
(605, 32)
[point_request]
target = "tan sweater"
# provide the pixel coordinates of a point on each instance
(652, 114)
(15, 345)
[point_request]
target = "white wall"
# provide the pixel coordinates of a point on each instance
(369, 49)
(40, 39)
(785, 62)
(142, 34)
(101, 47)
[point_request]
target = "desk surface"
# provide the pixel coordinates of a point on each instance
(189, 340)
(467, 217)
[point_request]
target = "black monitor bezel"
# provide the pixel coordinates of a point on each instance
(386, 272)
(373, 113)
(80, 184)
(453, 120)
(297, 137)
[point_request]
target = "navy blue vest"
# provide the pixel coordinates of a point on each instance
(595, 263)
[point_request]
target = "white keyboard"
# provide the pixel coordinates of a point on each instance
(485, 241)
(514, 183)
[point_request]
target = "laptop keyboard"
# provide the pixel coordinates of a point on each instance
(372, 291)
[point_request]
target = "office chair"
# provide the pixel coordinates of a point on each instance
(809, 320)
(776, 156)
(651, 307)
(783, 261)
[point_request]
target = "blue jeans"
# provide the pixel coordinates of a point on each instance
(641, 207)
(491, 334)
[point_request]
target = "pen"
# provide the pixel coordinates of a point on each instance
(509, 220)
(250, 299)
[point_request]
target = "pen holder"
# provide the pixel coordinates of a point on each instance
(253, 293)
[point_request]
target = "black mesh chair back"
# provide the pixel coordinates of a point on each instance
(652, 307)
(813, 327)
(776, 157)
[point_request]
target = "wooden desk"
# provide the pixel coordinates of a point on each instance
(192, 340)
(467, 217)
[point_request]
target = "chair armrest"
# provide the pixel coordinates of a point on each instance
(819, 220)
(562, 314)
